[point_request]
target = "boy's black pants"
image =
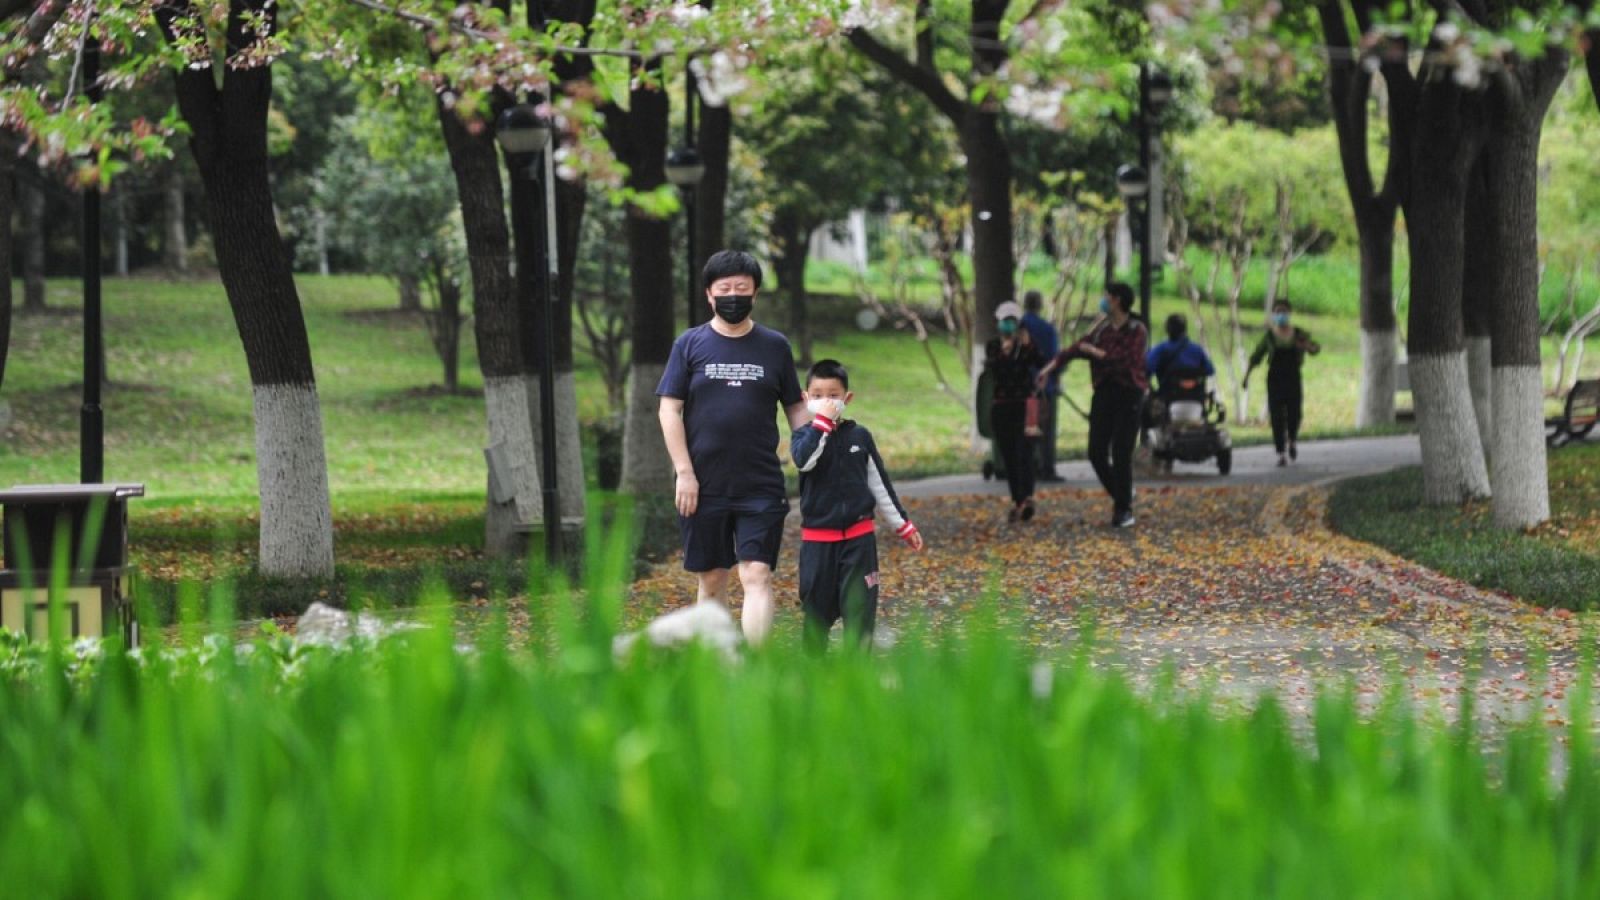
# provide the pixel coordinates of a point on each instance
(1113, 427)
(839, 579)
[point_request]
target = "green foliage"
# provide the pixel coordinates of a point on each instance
(1221, 165)
(1556, 566)
(405, 768)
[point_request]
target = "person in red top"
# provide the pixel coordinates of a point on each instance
(1115, 348)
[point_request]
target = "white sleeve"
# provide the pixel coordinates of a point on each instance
(880, 493)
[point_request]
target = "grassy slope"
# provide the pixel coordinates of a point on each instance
(1556, 565)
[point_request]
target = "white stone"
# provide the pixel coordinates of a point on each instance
(292, 471)
(325, 626)
(707, 622)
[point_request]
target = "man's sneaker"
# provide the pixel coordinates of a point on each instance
(1027, 510)
(1282, 461)
(1122, 519)
(1294, 453)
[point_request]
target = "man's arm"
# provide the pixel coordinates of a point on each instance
(687, 495)
(798, 415)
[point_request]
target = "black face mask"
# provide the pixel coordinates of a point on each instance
(734, 308)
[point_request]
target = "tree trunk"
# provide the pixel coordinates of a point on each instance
(497, 326)
(119, 240)
(711, 195)
(1482, 238)
(228, 127)
(410, 287)
(571, 202)
(1519, 475)
(176, 249)
(1453, 467)
(646, 468)
(989, 194)
(790, 242)
(7, 185)
(33, 236)
(1379, 342)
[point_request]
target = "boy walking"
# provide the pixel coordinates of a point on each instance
(842, 481)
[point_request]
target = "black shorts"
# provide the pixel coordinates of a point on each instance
(725, 531)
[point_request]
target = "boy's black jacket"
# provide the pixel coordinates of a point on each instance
(842, 478)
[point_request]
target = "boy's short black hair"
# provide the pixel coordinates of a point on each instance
(1177, 326)
(1122, 294)
(727, 263)
(829, 368)
(1281, 304)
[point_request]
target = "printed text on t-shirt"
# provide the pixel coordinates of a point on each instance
(735, 373)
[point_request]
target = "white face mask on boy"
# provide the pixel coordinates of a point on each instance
(822, 406)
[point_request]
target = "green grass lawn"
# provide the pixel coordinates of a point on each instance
(405, 460)
(1556, 565)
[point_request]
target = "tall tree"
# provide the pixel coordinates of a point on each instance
(976, 118)
(638, 137)
(1350, 90)
(1519, 96)
(227, 120)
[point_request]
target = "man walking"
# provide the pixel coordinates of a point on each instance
(723, 386)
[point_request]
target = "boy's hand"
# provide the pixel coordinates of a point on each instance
(687, 497)
(913, 538)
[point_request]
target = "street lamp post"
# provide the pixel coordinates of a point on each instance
(91, 427)
(1155, 89)
(525, 137)
(685, 169)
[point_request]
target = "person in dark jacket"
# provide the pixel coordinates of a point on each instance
(1044, 336)
(1013, 360)
(1284, 347)
(842, 482)
(1115, 348)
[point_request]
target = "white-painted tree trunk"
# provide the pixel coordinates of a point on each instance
(292, 469)
(646, 468)
(569, 443)
(1520, 479)
(1453, 469)
(505, 400)
(1379, 350)
(1480, 379)
(979, 445)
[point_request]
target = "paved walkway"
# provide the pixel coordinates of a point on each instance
(1234, 582)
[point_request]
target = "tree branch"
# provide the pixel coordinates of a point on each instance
(924, 81)
(196, 89)
(480, 34)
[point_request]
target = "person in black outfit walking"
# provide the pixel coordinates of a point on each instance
(1284, 347)
(1013, 360)
(1115, 348)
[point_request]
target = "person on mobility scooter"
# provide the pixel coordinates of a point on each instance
(1183, 418)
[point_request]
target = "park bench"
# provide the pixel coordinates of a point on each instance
(1578, 416)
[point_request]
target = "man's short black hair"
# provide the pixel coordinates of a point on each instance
(1033, 301)
(831, 369)
(727, 263)
(1177, 326)
(1122, 294)
(1281, 304)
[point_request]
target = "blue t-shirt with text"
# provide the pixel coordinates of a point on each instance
(732, 391)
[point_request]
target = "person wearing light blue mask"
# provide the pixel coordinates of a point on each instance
(1285, 348)
(1013, 360)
